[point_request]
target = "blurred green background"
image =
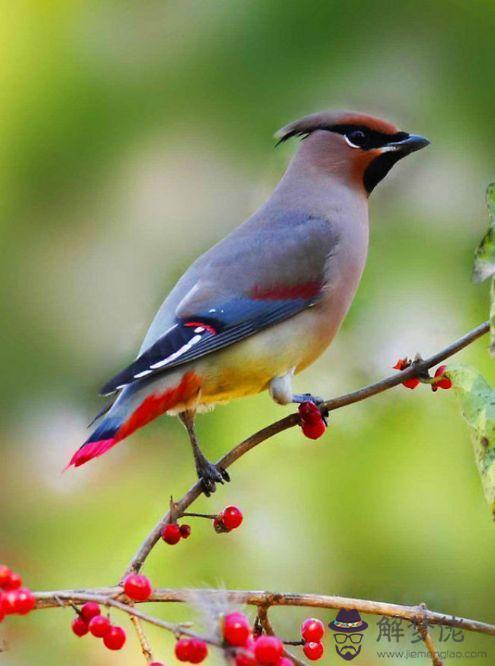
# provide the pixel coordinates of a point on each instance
(133, 135)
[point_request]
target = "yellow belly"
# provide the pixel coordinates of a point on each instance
(247, 367)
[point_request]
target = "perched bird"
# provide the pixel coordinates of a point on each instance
(265, 302)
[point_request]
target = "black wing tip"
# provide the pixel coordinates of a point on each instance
(112, 386)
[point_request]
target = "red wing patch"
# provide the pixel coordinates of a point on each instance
(285, 292)
(156, 404)
(201, 324)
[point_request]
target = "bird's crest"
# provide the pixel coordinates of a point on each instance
(327, 120)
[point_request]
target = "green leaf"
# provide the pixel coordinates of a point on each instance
(484, 256)
(477, 400)
(492, 318)
(484, 260)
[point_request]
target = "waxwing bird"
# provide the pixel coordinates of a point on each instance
(266, 301)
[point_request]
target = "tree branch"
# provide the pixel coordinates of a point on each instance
(108, 597)
(418, 367)
(419, 615)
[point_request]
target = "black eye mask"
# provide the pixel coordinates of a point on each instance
(366, 138)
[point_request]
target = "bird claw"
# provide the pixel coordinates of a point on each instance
(210, 474)
(316, 400)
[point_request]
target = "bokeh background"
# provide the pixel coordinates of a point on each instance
(133, 136)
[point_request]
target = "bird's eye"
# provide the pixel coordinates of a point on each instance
(356, 138)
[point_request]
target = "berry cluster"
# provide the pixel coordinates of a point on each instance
(249, 650)
(192, 650)
(439, 380)
(311, 421)
(90, 620)
(312, 631)
(227, 520)
(14, 599)
(263, 650)
(172, 533)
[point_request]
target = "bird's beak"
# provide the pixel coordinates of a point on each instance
(409, 145)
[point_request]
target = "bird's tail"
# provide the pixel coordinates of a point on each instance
(109, 431)
(100, 441)
(138, 404)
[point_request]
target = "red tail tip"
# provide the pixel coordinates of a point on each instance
(89, 451)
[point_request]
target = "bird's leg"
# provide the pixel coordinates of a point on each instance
(208, 473)
(281, 391)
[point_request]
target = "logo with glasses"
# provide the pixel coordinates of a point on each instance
(348, 630)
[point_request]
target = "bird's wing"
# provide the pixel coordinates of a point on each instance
(240, 290)
(209, 331)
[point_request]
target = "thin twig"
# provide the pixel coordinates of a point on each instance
(264, 621)
(189, 514)
(143, 641)
(428, 641)
(415, 614)
(262, 435)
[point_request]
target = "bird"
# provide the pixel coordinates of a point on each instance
(264, 302)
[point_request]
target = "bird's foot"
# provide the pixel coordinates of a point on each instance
(210, 474)
(309, 397)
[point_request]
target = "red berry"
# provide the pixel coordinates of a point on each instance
(8, 599)
(236, 629)
(2, 610)
(99, 626)
(218, 525)
(137, 587)
(314, 430)
(311, 420)
(312, 630)
(171, 534)
(268, 649)
(444, 382)
(14, 582)
(198, 651)
(5, 575)
(24, 601)
(185, 531)
(115, 638)
(309, 412)
(313, 651)
(231, 517)
(79, 626)
(90, 609)
(183, 649)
